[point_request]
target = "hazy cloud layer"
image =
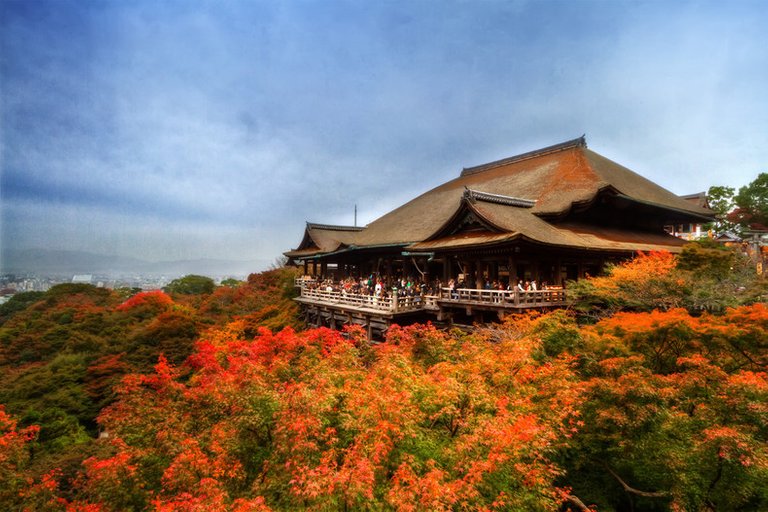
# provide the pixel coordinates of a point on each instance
(215, 129)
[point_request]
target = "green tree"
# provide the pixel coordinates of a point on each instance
(231, 282)
(720, 200)
(191, 285)
(751, 203)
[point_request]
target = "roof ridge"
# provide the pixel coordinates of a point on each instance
(574, 143)
(476, 195)
(332, 227)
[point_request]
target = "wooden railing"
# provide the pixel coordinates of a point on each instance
(301, 282)
(391, 304)
(513, 298)
(395, 303)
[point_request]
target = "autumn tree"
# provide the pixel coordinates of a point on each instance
(14, 457)
(322, 420)
(701, 278)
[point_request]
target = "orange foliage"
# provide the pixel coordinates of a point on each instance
(152, 299)
(422, 421)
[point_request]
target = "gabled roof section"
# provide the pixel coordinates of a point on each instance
(466, 219)
(324, 238)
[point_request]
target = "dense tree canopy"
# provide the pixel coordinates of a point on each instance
(653, 395)
(63, 351)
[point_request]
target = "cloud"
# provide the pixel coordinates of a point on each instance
(215, 129)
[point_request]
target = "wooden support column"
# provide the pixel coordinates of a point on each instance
(480, 275)
(305, 267)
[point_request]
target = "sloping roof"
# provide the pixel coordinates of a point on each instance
(324, 238)
(518, 194)
(699, 199)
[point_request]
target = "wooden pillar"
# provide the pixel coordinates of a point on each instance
(388, 267)
(324, 269)
(305, 267)
(512, 272)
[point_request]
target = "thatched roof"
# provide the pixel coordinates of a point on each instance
(528, 196)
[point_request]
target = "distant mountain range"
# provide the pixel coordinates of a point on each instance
(44, 261)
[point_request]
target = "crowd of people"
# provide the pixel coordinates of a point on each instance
(377, 286)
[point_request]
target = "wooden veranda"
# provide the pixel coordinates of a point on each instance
(335, 309)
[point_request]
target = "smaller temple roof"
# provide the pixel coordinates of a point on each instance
(323, 238)
(699, 199)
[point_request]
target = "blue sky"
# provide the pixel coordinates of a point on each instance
(190, 129)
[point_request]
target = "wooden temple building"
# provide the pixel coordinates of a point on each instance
(550, 215)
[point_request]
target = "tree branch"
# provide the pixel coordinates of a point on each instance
(632, 490)
(578, 503)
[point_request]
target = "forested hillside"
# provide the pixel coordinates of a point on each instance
(650, 393)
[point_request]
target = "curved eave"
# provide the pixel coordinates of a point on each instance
(586, 203)
(301, 253)
(679, 211)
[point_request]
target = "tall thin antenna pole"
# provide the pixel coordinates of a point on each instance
(355, 214)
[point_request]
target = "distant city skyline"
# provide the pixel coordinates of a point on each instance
(188, 130)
